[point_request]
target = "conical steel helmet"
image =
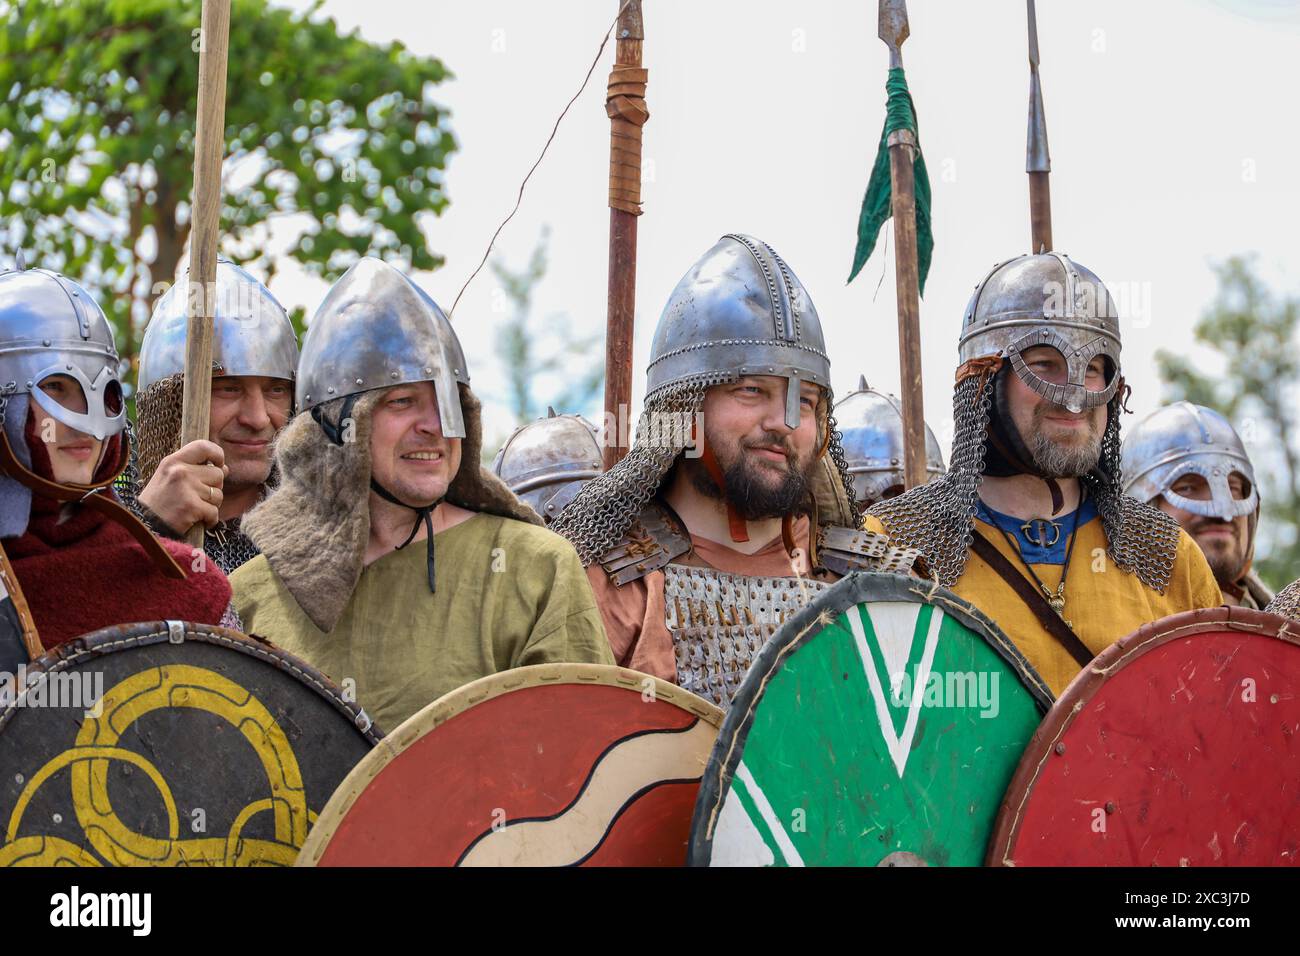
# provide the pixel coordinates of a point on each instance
(376, 329)
(251, 333)
(871, 424)
(739, 311)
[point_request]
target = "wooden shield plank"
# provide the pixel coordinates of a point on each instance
(170, 744)
(1178, 746)
(880, 725)
(555, 764)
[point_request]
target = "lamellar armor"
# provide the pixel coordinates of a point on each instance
(739, 311)
(1026, 302)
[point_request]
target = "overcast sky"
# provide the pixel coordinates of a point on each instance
(1172, 128)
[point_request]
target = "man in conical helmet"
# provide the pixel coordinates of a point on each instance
(733, 507)
(1063, 560)
(547, 462)
(214, 481)
(871, 424)
(81, 559)
(1189, 462)
(381, 464)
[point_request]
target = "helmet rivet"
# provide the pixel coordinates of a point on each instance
(45, 342)
(455, 371)
(392, 375)
(428, 371)
(68, 367)
(330, 390)
(75, 292)
(770, 369)
(359, 381)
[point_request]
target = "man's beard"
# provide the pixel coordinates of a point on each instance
(1059, 460)
(752, 497)
(1226, 559)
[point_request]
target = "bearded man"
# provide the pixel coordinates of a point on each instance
(733, 507)
(1062, 560)
(213, 481)
(1189, 462)
(381, 464)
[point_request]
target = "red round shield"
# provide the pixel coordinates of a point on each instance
(556, 764)
(1177, 746)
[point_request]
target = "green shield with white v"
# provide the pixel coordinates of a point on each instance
(887, 732)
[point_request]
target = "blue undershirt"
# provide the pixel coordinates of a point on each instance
(1032, 553)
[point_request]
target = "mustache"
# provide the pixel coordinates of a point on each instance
(774, 443)
(1202, 523)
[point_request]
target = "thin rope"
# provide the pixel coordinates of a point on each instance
(519, 199)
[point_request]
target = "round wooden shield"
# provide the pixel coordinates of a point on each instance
(169, 744)
(879, 726)
(1178, 746)
(549, 765)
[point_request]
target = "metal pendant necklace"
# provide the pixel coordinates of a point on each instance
(1055, 598)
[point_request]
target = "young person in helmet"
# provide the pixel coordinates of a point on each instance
(82, 560)
(380, 475)
(1030, 524)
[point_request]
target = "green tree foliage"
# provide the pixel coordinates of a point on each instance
(97, 143)
(1254, 333)
(530, 351)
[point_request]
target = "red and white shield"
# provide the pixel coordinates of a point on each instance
(551, 765)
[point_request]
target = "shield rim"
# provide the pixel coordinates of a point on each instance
(121, 637)
(453, 703)
(796, 631)
(1110, 662)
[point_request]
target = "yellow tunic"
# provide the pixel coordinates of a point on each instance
(1102, 602)
(508, 594)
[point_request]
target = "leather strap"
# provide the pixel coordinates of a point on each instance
(89, 495)
(31, 640)
(1053, 623)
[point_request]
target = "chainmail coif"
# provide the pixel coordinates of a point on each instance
(605, 508)
(1287, 602)
(938, 518)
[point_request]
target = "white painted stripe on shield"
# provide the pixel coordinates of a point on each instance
(899, 748)
(792, 857)
(736, 841)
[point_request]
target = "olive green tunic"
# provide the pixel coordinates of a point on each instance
(508, 594)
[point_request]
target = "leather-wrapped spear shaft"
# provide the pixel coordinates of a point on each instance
(625, 105)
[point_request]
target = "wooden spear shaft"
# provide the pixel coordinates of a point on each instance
(209, 144)
(902, 146)
(630, 33)
(907, 283)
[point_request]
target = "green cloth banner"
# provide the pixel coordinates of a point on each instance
(900, 113)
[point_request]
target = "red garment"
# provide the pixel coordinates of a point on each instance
(88, 572)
